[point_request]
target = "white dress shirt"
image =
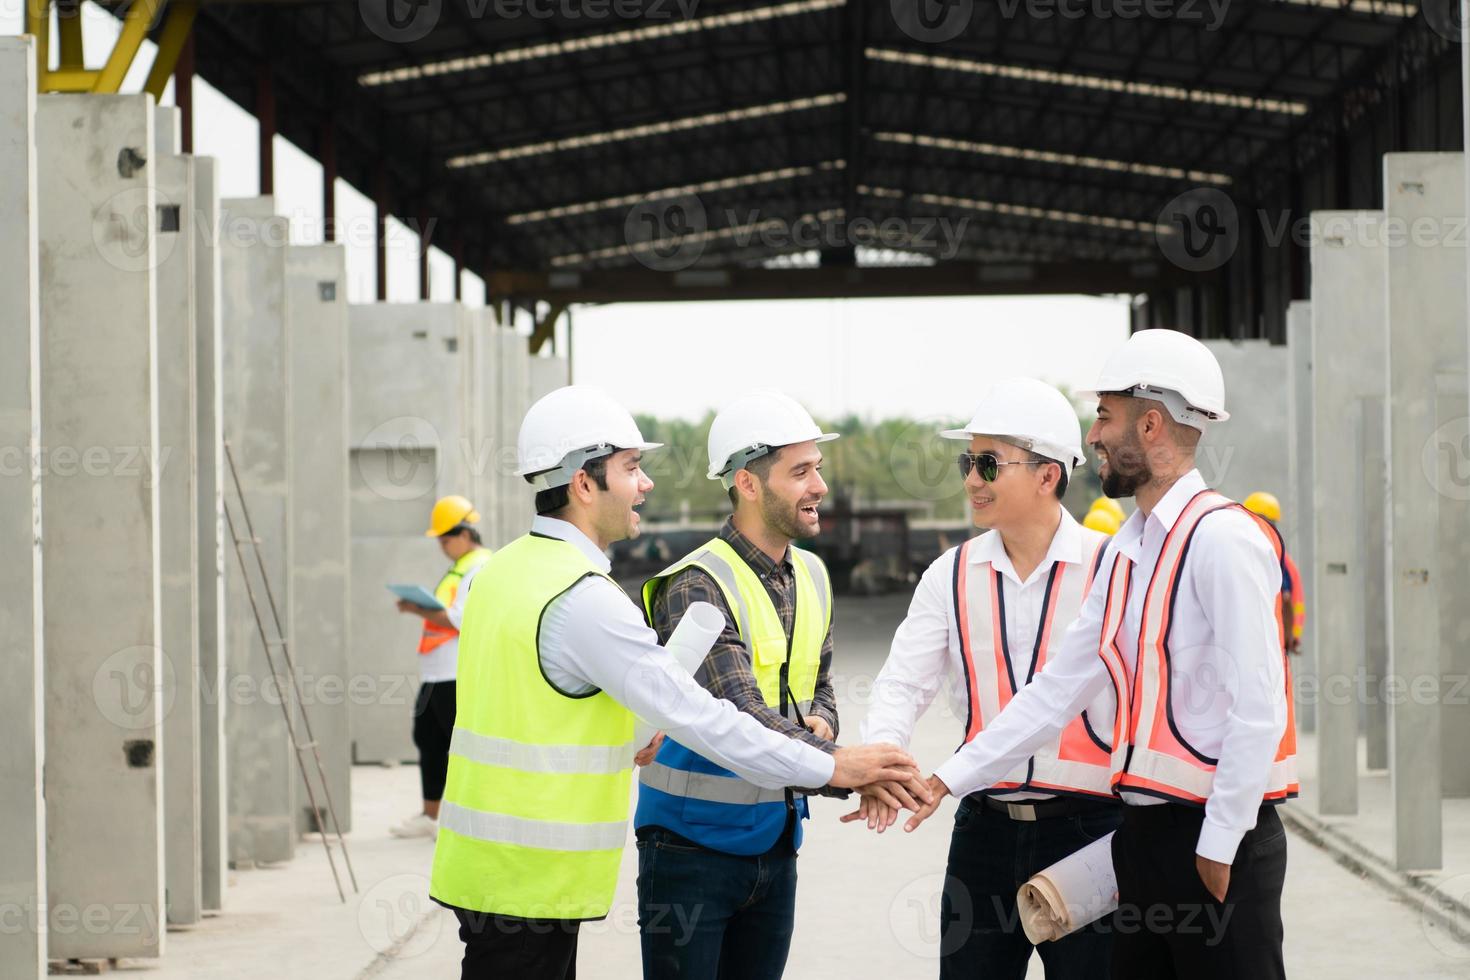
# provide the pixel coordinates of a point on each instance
(1228, 685)
(926, 652)
(593, 636)
(441, 663)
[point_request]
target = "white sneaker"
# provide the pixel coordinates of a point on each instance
(418, 825)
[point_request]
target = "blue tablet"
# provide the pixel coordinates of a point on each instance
(417, 595)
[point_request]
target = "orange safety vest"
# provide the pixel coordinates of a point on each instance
(1150, 755)
(435, 636)
(1298, 596)
(1078, 762)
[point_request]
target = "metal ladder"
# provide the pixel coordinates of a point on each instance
(279, 643)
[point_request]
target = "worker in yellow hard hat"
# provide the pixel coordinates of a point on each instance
(1109, 506)
(433, 722)
(1293, 594)
(1102, 520)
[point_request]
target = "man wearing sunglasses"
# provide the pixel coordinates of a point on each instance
(1184, 628)
(983, 619)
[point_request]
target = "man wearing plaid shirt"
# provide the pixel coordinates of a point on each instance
(716, 854)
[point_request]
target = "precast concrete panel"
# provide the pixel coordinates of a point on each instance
(316, 283)
(178, 530)
(254, 387)
(517, 506)
(213, 549)
(1426, 343)
(410, 443)
(1249, 451)
(22, 722)
(1374, 710)
(547, 375)
(1348, 352)
(105, 694)
(1299, 539)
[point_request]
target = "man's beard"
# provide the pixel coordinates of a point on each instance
(780, 516)
(1121, 482)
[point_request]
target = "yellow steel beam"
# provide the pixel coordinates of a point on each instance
(69, 31)
(546, 326)
(135, 29)
(176, 27)
(38, 25)
(71, 80)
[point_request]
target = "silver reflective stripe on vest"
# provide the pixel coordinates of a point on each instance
(562, 760)
(725, 575)
(547, 835)
(706, 786)
(818, 572)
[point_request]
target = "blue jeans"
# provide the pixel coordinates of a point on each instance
(704, 915)
(990, 857)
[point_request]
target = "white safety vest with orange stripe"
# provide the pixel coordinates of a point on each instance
(1150, 756)
(1078, 762)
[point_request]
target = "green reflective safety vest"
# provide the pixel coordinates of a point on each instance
(687, 793)
(535, 806)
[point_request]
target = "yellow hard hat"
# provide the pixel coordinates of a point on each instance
(1101, 520)
(1265, 504)
(1110, 506)
(449, 513)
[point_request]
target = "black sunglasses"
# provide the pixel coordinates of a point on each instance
(988, 464)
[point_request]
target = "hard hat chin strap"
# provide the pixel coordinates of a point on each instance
(561, 475)
(1181, 411)
(740, 460)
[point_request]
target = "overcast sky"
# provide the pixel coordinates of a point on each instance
(870, 357)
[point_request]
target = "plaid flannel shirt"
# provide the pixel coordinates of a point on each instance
(727, 672)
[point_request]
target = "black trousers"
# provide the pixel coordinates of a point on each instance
(497, 947)
(1167, 923)
(433, 724)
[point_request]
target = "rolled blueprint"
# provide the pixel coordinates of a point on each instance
(690, 643)
(1079, 889)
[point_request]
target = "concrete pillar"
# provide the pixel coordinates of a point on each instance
(1348, 352)
(213, 550)
(316, 284)
(105, 694)
(1374, 471)
(1426, 343)
(22, 720)
(517, 500)
(1451, 449)
(254, 377)
(178, 530)
(493, 459)
(1250, 451)
(1298, 529)
(409, 439)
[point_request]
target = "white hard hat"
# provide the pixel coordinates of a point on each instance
(1033, 415)
(753, 425)
(1172, 368)
(568, 427)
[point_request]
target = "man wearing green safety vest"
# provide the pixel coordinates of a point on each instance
(712, 846)
(433, 712)
(555, 662)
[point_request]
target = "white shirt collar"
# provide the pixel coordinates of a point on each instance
(1165, 513)
(1066, 546)
(553, 527)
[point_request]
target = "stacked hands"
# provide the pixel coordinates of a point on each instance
(885, 776)
(882, 800)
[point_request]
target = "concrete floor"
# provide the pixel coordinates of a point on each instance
(867, 907)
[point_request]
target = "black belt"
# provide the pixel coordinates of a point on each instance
(1060, 806)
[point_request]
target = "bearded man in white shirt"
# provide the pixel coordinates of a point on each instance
(981, 624)
(1184, 627)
